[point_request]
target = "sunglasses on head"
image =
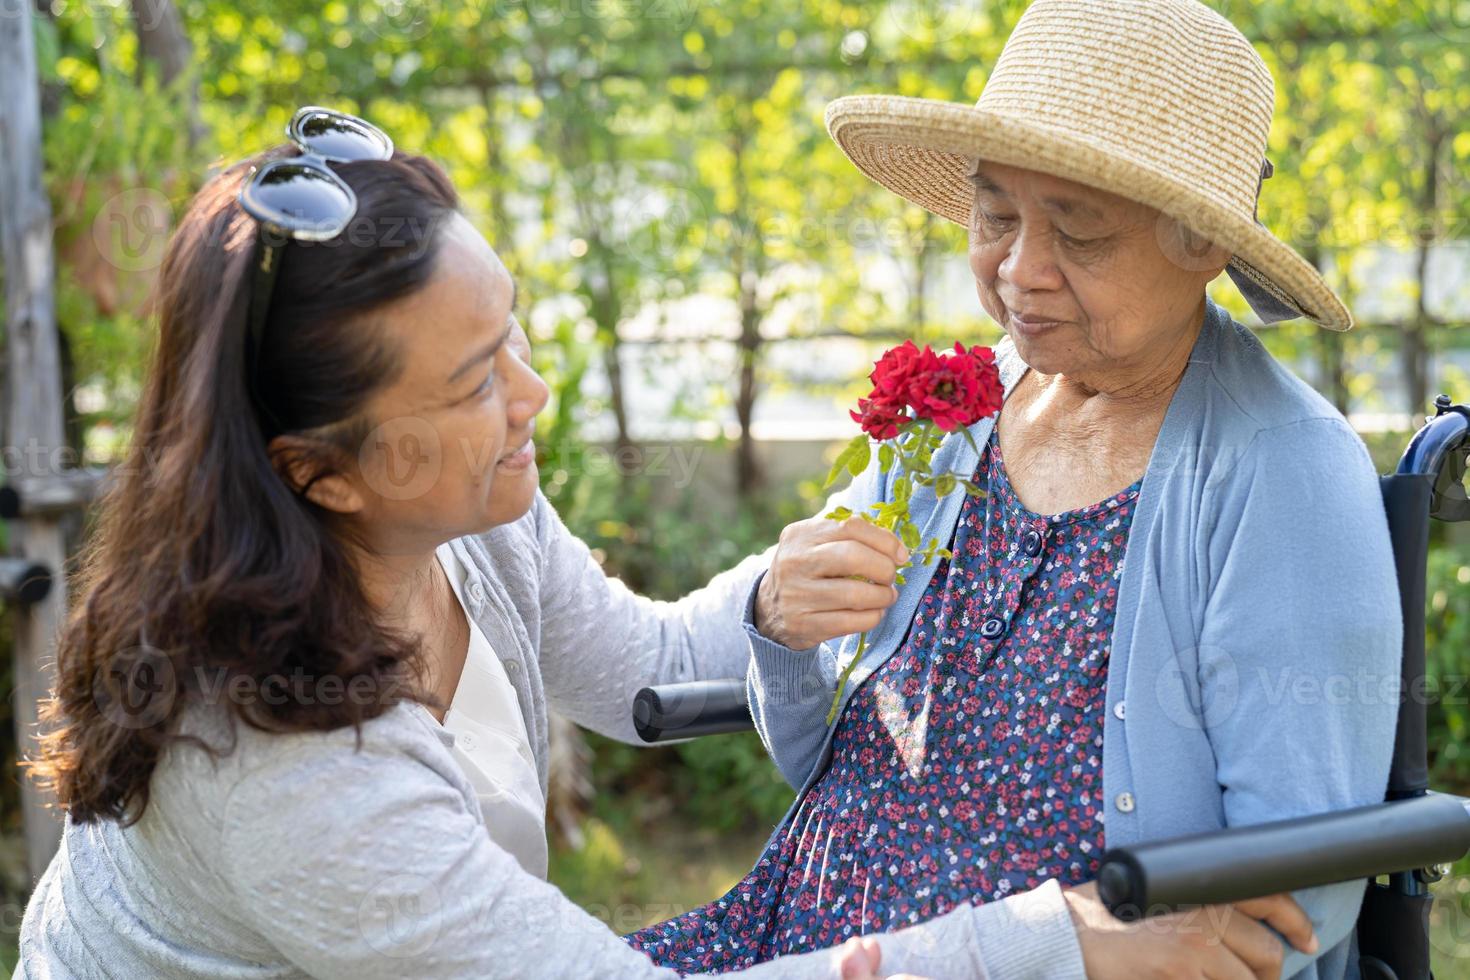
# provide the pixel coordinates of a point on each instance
(301, 198)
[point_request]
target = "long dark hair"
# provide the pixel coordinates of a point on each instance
(206, 572)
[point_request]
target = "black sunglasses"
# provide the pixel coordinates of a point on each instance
(300, 198)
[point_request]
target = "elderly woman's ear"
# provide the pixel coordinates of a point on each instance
(1190, 250)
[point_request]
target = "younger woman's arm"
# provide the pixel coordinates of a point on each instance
(369, 864)
(601, 643)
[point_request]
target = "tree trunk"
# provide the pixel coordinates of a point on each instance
(161, 39)
(34, 392)
(918, 312)
(1334, 368)
(749, 264)
(1415, 348)
(502, 232)
(1331, 365)
(748, 475)
(606, 306)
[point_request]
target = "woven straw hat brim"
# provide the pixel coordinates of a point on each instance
(921, 150)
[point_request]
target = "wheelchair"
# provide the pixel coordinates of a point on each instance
(1401, 846)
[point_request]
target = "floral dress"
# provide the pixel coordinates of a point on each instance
(965, 769)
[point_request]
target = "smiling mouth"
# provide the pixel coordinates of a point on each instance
(1032, 323)
(521, 456)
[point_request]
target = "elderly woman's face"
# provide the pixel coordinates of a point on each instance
(1079, 278)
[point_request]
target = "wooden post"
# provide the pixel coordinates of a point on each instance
(34, 446)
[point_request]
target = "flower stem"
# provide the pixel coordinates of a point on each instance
(842, 681)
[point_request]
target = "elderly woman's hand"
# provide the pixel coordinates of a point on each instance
(1220, 942)
(828, 579)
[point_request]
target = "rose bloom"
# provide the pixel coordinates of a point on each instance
(893, 372)
(955, 390)
(879, 418)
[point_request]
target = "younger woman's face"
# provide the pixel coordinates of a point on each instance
(452, 451)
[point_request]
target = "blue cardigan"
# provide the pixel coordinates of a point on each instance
(1254, 671)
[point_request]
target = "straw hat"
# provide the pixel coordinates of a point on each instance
(1162, 102)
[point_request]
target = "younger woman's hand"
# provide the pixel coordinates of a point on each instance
(862, 959)
(1218, 942)
(828, 579)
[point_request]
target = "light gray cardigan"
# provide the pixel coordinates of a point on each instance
(299, 855)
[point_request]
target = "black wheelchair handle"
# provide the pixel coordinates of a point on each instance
(1249, 862)
(673, 711)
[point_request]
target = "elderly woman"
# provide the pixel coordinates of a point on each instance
(1037, 689)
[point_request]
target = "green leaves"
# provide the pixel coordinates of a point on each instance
(971, 440)
(908, 533)
(854, 459)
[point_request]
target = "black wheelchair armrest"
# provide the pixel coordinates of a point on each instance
(674, 711)
(1248, 862)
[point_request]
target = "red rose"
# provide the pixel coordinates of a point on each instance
(992, 390)
(951, 389)
(954, 390)
(892, 373)
(879, 419)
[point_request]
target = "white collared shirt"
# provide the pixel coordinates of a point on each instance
(491, 744)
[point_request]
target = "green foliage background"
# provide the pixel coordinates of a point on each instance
(623, 154)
